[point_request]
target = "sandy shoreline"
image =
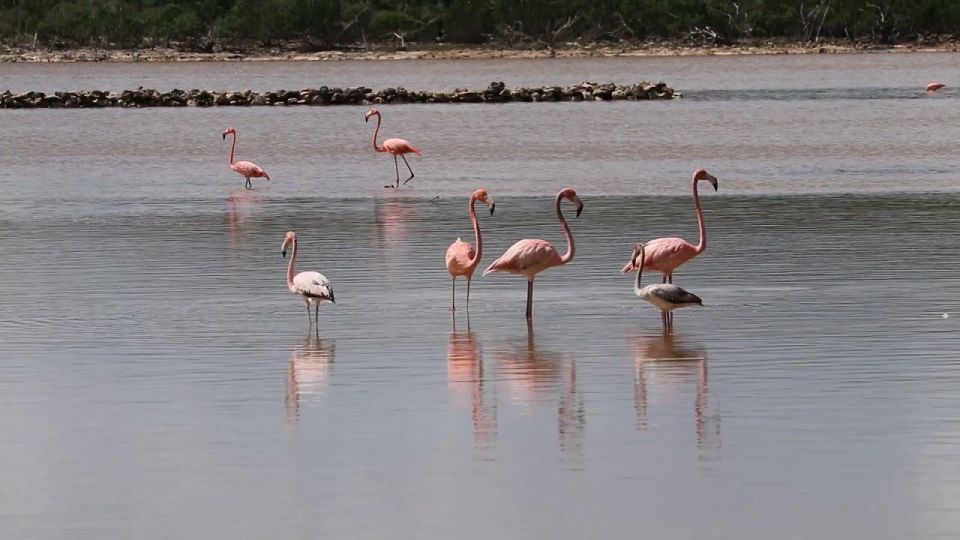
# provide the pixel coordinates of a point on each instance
(597, 51)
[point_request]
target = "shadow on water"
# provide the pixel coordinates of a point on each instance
(311, 365)
(465, 367)
(669, 363)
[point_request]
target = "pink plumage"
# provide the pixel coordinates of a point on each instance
(395, 147)
(667, 254)
(461, 258)
(935, 86)
(531, 256)
(246, 169)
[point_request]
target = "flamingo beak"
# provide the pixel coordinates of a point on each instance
(284, 252)
(713, 182)
(579, 207)
(224, 135)
(493, 206)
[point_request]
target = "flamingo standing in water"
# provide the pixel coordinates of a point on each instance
(461, 258)
(394, 147)
(314, 287)
(245, 169)
(666, 254)
(530, 257)
(665, 296)
(934, 86)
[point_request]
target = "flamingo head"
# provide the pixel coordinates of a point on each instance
(481, 195)
(371, 112)
(288, 239)
(228, 131)
(571, 195)
(701, 174)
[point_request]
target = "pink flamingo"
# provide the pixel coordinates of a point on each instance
(934, 86)
(530, 257)
(245, 169)
(314, 287)
(394, 147)
(666, 254)
(461, 258)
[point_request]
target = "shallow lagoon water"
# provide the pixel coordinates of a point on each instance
(158, 379)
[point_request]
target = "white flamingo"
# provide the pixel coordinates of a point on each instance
(314, 287)
(665, 296)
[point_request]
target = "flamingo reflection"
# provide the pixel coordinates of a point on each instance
(391, 220)
(535, 375)
(465, 366)
(240, 207)
(664, 361)
(311, 365)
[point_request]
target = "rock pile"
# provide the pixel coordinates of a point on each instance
(497, 92)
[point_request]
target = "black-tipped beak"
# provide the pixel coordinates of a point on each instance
(716, 185)
(284, 252)
(579, 208)
(224, 136)
(493, 206)
(366, 118)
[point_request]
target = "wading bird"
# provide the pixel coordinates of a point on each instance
(394, 147)
(666, 254)
(314, 287)
(462, 259)
(665, 296)
(934, 86)
(531, 256)
(245, 169)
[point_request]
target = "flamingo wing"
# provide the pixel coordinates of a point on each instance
(401, 146)
(314, 285)
(526, 257)
(672, 294)
(250, 169)
(663, 254)
(458, 257)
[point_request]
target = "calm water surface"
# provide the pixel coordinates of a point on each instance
(157, 380)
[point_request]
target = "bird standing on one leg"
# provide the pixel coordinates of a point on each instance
(394, 147)
(532, 256)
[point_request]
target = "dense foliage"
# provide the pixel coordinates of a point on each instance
(330, 22)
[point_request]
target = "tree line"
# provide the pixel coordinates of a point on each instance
(331, 23)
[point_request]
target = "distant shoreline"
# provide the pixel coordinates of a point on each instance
(437, 52)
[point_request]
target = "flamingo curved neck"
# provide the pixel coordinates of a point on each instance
(476, 233)
(636, 284)
(375, 132)
(571, 248)
(702, 244)
(293, 258)
(233, 145)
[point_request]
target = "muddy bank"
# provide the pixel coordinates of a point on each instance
(496, 92)
(659, 48)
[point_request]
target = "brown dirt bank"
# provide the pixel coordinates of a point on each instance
(284, 53)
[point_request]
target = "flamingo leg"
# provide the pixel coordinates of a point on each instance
(529, 299)
(664, 279)
(468, 293)
(248, 185)
(316, 313)
(309, 319)
(408, 168)
(396, 166)
(453, 294)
